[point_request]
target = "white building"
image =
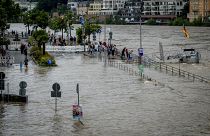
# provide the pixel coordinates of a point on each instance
(106, 7)
(163, 7)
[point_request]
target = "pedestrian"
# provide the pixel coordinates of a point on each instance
(123, 53)
(26, 62)
(25, 51)
(75, 40)
(22, 47)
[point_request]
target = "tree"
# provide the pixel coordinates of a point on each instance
(59, 23)
(185, 10)
(42, 19)
(36, 18)
(8, 12)
(49, 5)
(89, 29)
(69, 19)
(79, 35)
(27, 20)
(41, 37)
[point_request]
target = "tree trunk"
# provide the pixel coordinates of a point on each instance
(39, 45)
(28, 30)
(43, 48)
(62, 33)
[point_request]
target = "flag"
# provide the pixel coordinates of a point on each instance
(186, 33)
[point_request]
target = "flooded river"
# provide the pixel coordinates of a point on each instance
(114, 102)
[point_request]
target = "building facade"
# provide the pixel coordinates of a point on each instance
(199, 8)
(106, 7)
(160, 10)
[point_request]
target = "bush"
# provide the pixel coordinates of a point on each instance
(151, 22)
(41, 59)
(44, 60)
(32, 41)
(179, 22)
(197, 22)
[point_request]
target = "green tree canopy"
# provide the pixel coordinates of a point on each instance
(40, 37)
(8, 11)
(36, 18)
(49, 5)
(185, 10)
(58, 23)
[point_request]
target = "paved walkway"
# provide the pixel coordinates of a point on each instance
(18, 57)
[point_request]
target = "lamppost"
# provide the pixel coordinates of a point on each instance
(140, 50)
(82, 21)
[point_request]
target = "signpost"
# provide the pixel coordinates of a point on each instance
(141, 51)
(141, 67)
(77, 109)
(55, 93)
(94, 36)
(22, 86)
(110, 36)
(2, 76)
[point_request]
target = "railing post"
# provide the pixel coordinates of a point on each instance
(172, 71)
(160, 66)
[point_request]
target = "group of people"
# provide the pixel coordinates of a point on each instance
(61, 41)
(126, 54)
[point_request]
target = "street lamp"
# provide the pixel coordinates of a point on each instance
(140, 50)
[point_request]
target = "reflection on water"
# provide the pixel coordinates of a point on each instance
(114, 102)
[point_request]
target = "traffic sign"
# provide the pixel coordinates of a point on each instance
(55, 94)
(56, 87)
(2, 75)
(23, 84)
(140, 51)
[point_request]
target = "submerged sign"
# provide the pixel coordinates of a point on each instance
(77, 112)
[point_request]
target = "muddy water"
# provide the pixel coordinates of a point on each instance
(114, 102)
